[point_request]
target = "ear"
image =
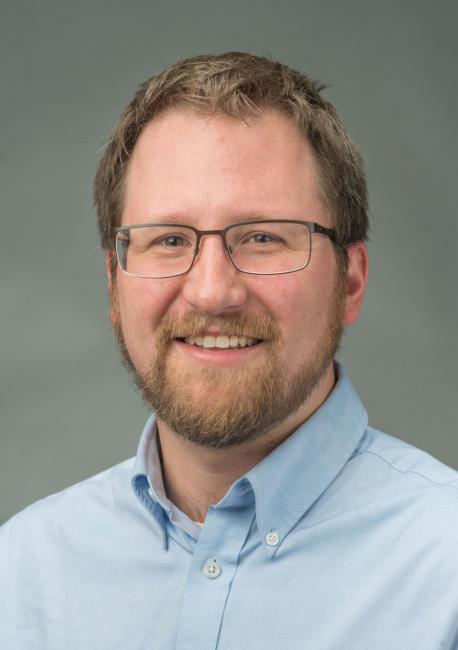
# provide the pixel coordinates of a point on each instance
(111, 284)
(355, 281)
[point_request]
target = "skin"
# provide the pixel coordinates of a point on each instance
(209, 172)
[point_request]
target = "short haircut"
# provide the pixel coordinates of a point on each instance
(241, 85)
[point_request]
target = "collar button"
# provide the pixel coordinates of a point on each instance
(272, 538)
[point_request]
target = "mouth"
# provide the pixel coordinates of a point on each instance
(221, 342)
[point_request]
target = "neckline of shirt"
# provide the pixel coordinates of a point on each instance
(290, 479)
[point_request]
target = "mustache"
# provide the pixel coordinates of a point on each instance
(256, 326)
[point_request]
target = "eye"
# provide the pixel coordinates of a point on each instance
(261, 238)
(171, 241)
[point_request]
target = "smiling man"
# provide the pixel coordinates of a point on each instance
(261, 509)
(235, 349)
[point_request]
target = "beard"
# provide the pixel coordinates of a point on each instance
(225, 407)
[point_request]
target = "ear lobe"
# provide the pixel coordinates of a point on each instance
(355, 281)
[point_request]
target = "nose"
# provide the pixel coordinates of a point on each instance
(214, 286)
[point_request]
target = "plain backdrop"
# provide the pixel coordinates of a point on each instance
(68, 409)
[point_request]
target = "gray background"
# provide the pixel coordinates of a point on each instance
(67, 406)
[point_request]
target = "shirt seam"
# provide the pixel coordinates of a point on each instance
(408, 471)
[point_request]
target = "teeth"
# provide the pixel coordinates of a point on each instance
(221, 341)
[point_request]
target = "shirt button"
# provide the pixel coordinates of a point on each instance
(211, 569)
(272, 538)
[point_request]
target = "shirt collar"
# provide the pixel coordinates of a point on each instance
(149, 486)
(290, 479)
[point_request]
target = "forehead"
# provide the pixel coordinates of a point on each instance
(186, 163)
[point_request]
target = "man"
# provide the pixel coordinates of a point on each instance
(261, 510)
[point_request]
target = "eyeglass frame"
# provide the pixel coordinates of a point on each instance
(312, 227)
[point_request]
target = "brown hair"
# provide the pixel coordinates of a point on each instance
(241, 85)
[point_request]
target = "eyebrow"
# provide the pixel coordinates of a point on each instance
(176, 219)
(170, 218)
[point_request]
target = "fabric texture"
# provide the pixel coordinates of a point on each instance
(343, 538)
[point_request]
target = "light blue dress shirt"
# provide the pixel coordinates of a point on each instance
(343, 538)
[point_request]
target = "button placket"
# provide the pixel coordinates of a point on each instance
(213, 565)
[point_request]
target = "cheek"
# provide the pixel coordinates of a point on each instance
(144, 299)
(141, 304)
(302, 310)
(287, 297)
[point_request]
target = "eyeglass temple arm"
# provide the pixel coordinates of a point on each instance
(321, 230)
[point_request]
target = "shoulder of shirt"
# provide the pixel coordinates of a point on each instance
(401, 474)
(406, 459)
(396, 479)
(93, 492)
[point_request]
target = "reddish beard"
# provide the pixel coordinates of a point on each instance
(224, 407)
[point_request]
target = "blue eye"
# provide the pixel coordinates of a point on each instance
(262, 238)
(172, 240)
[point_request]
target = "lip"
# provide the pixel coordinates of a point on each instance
(217, 357)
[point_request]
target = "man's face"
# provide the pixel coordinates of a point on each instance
(209, 172)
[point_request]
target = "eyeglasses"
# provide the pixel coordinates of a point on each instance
(267, 247)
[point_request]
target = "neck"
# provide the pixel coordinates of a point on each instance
(197, 477)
